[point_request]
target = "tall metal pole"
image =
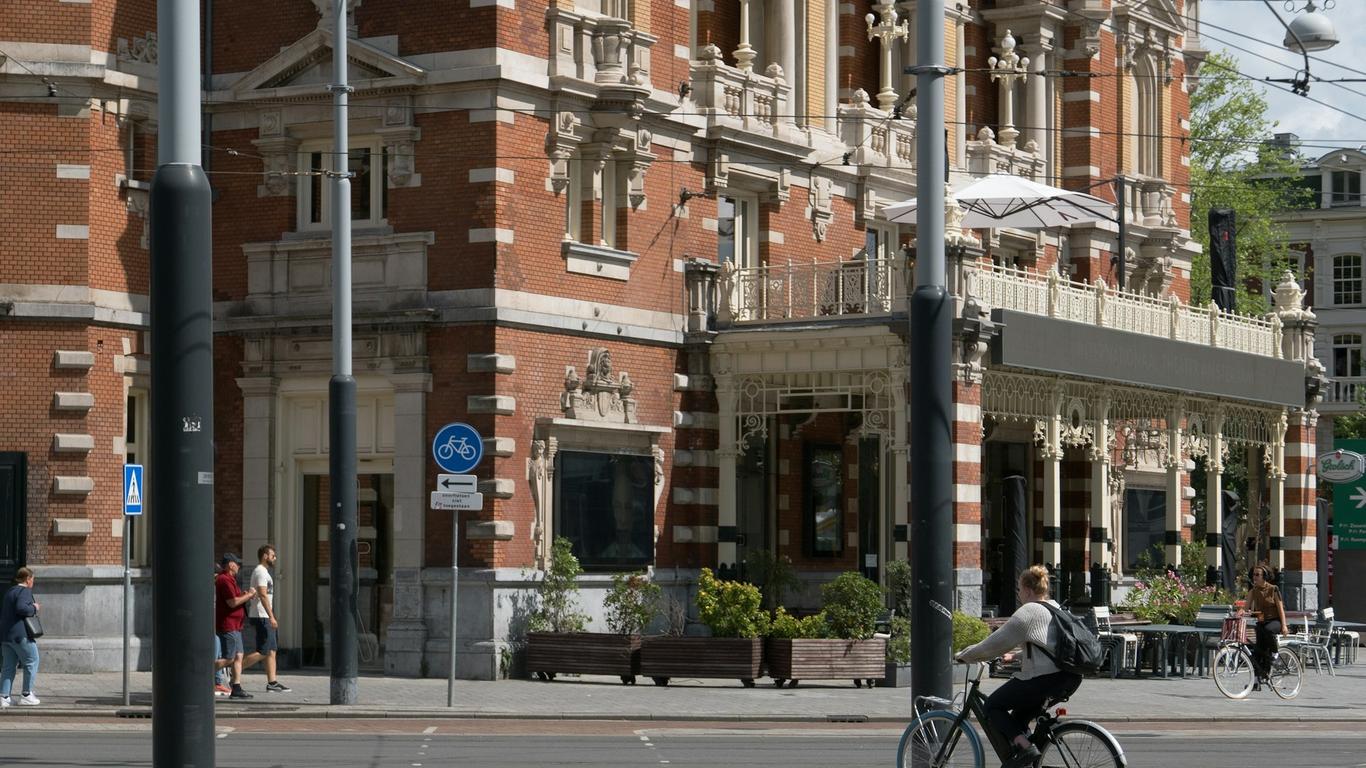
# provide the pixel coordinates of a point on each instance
(342, 394)
(127, 595)
(1122, 215)
(181, 473)
(931, 401)
(455, 593)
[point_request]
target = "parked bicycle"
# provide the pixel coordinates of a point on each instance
(1235, 675)
(941, 735)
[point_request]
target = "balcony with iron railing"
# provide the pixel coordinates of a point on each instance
(813, 290)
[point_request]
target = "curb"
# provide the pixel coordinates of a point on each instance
(322, 712)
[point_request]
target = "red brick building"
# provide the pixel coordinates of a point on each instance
(641, 246)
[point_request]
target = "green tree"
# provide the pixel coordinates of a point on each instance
(1233, 167)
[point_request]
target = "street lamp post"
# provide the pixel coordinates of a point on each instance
(930, 363)
(1310, 32)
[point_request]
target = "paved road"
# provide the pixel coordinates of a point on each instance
(44, 743)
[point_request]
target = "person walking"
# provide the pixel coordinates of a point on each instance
(18, 648)
(1018, 701)
(230, 611)
(261, 616)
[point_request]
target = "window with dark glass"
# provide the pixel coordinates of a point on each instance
(824, 500)
(1346, 188)
(604, 505)
(1347, 279)
(1145, 524)
(1347, 354)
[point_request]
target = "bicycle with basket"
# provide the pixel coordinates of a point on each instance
(1234, 673)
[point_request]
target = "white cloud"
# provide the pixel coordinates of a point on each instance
(1228, 24)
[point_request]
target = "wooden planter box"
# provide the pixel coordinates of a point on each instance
(583, 653)
(790, 660)
(663, 657)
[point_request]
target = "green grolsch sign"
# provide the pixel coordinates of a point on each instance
(1345, 466)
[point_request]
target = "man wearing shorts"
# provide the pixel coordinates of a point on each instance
(261, 617)
(229, 613)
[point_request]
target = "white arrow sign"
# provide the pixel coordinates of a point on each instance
(1359, 497)
(457, 483)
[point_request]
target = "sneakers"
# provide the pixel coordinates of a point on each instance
(1023, 757)
(29, 700)
(275, 686)
(238, 693)
(221, 690)
(5, 702)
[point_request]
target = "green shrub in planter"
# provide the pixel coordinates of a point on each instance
(851, 606)
(899, 645)
(788, 627)
(899, 585)
(557, 592)
(632, 603)
(730, 608)
(967, 630)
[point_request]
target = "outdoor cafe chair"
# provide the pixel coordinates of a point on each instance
(1124, 642)
(1312, 645)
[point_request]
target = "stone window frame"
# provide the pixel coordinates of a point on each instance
(1347, 279)
(745, 233)
(1348, 342)
(1342, 195)
(379, 194)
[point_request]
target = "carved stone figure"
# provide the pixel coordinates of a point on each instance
(598, 396)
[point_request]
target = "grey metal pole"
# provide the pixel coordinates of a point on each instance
(342, 395)
(931, 400)
(181, 473)
(455, 592)
(1122, 216)
(127, 590)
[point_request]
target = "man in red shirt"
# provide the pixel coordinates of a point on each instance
(229, 614)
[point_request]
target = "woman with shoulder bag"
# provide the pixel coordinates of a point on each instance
(18, 624)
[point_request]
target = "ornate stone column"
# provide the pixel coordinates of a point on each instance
(886, 32)
(1051, 453)
(1214, 494)
(1006, 70)
(407, 631)
(1099, 455)
(258, 460)
(1038, 107)
(727, 452)
(780, 24)
(744, 52)
(1174, 465)
(1276, 475)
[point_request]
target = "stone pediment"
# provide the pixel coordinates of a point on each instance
(1160, 12)
(305, 66)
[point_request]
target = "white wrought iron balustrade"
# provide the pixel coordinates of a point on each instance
(814, 290)
(1098, 304)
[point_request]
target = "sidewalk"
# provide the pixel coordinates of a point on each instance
(1323, 698)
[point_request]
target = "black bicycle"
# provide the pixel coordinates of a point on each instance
(941, 735)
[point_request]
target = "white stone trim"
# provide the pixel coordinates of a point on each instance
(72, 401)
(1081, 170)
(498, 175)
(73, 231)
(771, 236)
(73, 171)
(63, 442)
(509, 4)
(967, 493)
(967, 533)
(491, 235)
(967, 453)
(502, 405)
(498, 487)
(67, 359)
(72, 526)
(67, 484)
(695, 534)
(1081, 96)
(681, 51)
(500, 446)
(490, 363)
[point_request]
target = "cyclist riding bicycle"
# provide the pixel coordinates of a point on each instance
(1264, 601)
(1022, 698)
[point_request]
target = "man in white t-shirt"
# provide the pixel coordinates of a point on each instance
(261, 617)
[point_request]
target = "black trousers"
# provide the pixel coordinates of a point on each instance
(1012, 707)
(1267, 644)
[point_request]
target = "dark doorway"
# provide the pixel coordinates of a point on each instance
(869, 502)
(751, 509)
(13, 512)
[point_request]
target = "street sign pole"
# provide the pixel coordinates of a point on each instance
(133, 484)
(455, 591)
(127, 592)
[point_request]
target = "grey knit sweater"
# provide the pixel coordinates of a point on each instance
(1031, 623)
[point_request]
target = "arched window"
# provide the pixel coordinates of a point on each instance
(1148, 117)
(1347, 279)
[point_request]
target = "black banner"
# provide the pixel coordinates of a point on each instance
(1223, 257)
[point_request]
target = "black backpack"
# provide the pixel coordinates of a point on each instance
(1077, 649)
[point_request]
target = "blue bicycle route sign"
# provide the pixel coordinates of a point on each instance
(457, 448)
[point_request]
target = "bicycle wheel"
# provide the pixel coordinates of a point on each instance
(1080, 745)
(1286, 674)
(1233, 672)
(933, 741)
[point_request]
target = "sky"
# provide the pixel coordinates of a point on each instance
(1248, 24)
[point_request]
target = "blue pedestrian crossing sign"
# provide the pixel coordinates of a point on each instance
(132, 489)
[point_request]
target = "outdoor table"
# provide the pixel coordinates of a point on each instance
(1160, 635)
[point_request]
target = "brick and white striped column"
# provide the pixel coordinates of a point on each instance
(967, 496)
(1299, 543)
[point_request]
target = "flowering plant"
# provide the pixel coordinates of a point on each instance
(1168, 598)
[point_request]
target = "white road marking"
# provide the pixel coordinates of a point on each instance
(429, 729)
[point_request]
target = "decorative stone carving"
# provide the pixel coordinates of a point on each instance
(539, 470)
(1077, 430)
(974, 330)
(1009, 68)
(821, 206)
(139, 50)
(279, 156)
(658, 454)
(327, 9)
(599, 396)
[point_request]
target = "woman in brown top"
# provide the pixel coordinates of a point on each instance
(1264, 601)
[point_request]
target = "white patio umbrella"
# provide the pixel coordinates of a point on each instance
(1000, 200)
